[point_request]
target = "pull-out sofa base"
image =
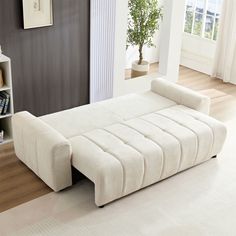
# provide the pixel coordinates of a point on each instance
(125, 157)
(122, 144)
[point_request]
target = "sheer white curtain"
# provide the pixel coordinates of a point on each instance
(225, 58)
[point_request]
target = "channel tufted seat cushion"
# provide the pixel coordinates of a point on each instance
(127, 156)
(121, 144)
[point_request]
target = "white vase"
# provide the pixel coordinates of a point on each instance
(139, 70)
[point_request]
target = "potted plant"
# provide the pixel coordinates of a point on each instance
(143, 21)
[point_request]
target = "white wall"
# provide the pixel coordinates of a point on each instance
(198, 53)
(171, 39)
(120, 46)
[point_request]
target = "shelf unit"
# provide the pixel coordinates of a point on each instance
(5, 120)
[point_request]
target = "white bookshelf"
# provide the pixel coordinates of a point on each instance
(5, 120)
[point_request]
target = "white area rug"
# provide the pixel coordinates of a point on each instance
(200, 201)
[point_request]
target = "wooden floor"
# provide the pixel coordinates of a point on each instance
(153, 69)
(223, 95)
(18, 184)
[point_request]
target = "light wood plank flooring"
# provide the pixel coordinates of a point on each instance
(153, 69)
(18, 184)
(223, 95)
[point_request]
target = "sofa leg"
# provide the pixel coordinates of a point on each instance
(101, 206)
(214, 156)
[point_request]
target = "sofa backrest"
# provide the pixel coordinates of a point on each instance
(82, 119)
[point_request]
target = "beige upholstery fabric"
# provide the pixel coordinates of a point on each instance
(125, 157)
(181, 95)
(76, 121)
(122, 144)
(43, 150)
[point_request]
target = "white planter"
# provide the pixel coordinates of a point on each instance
(139, 70)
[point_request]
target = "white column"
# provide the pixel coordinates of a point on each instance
(171, 38)
(102, 49)
(120, 45)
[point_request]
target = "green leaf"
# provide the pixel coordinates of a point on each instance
(143, 21)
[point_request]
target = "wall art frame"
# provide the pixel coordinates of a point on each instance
(37, 13)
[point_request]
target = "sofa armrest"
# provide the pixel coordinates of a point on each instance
(181, 95)
(45, 151)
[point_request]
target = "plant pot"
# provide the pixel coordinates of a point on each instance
(139, 70)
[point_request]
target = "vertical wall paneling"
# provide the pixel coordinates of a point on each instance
(50, 65)
(102, 43)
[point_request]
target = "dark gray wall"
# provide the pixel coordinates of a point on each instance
(50, 65)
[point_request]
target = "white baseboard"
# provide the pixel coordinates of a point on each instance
(197, 62)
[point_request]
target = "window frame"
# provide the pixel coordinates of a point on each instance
(204, 15)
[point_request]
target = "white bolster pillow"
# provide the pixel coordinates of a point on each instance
(45, 151)
(181, 95)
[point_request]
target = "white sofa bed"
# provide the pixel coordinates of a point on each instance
(122, 144)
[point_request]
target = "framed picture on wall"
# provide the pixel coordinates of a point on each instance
(37, 13)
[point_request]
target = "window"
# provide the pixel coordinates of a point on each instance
(202, 18)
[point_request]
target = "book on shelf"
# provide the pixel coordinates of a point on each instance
(1, 136)
(4, 102)
(6, 106)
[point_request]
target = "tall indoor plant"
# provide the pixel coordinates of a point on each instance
(143, 21)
